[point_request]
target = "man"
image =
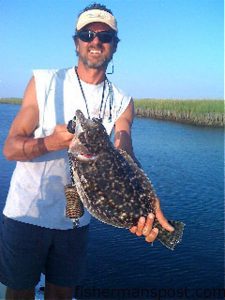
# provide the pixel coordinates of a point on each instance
(36, 235)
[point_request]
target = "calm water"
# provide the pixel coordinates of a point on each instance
(185, 164)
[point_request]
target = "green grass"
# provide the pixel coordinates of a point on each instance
(10, 100)
(198, 112)
(187, 106)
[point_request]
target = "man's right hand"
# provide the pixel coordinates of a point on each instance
(59, 139)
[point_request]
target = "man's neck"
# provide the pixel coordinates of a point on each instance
(90, 75)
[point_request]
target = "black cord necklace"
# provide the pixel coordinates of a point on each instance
(102, 100)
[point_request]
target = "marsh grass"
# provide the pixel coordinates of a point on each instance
(10, 100)
(195, 106)
(198, 112)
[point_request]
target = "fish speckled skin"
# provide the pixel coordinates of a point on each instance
(110, 184)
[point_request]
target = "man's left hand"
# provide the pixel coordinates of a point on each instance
(144, 226)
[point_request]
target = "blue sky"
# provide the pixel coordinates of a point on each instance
(168, 48)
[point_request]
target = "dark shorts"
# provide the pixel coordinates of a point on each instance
(27, 250)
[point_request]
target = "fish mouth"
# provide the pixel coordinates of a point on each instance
(80, 152)
(86, 157)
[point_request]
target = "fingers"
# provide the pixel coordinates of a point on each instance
(138, 229)
(133, 229)
(152, 236)
(165, 224)
(149, 232)
(148, 225)
(144, 227)
(140, 226)
(59, 139)
(161, 218)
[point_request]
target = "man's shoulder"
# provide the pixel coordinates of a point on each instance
(60, 73)
(120, 91)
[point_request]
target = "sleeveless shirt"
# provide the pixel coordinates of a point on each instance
(36, 193)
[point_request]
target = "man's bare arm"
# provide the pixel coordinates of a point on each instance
(123, 138)
(123, 125)
(20, 144)
(123, 141)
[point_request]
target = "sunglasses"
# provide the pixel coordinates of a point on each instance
(88, 36)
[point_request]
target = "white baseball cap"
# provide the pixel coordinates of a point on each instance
(96, 15)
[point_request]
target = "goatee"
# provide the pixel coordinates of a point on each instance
(94, 65)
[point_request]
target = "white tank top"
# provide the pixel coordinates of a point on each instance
(36, 193)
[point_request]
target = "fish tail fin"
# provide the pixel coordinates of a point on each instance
(170, 239)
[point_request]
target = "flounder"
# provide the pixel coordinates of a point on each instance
(109, 183)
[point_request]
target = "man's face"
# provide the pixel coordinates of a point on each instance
(95, 54)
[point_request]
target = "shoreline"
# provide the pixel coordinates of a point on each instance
(207, 120)
(209, 113)
(11, 101)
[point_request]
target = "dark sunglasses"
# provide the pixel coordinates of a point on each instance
(88, 36)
